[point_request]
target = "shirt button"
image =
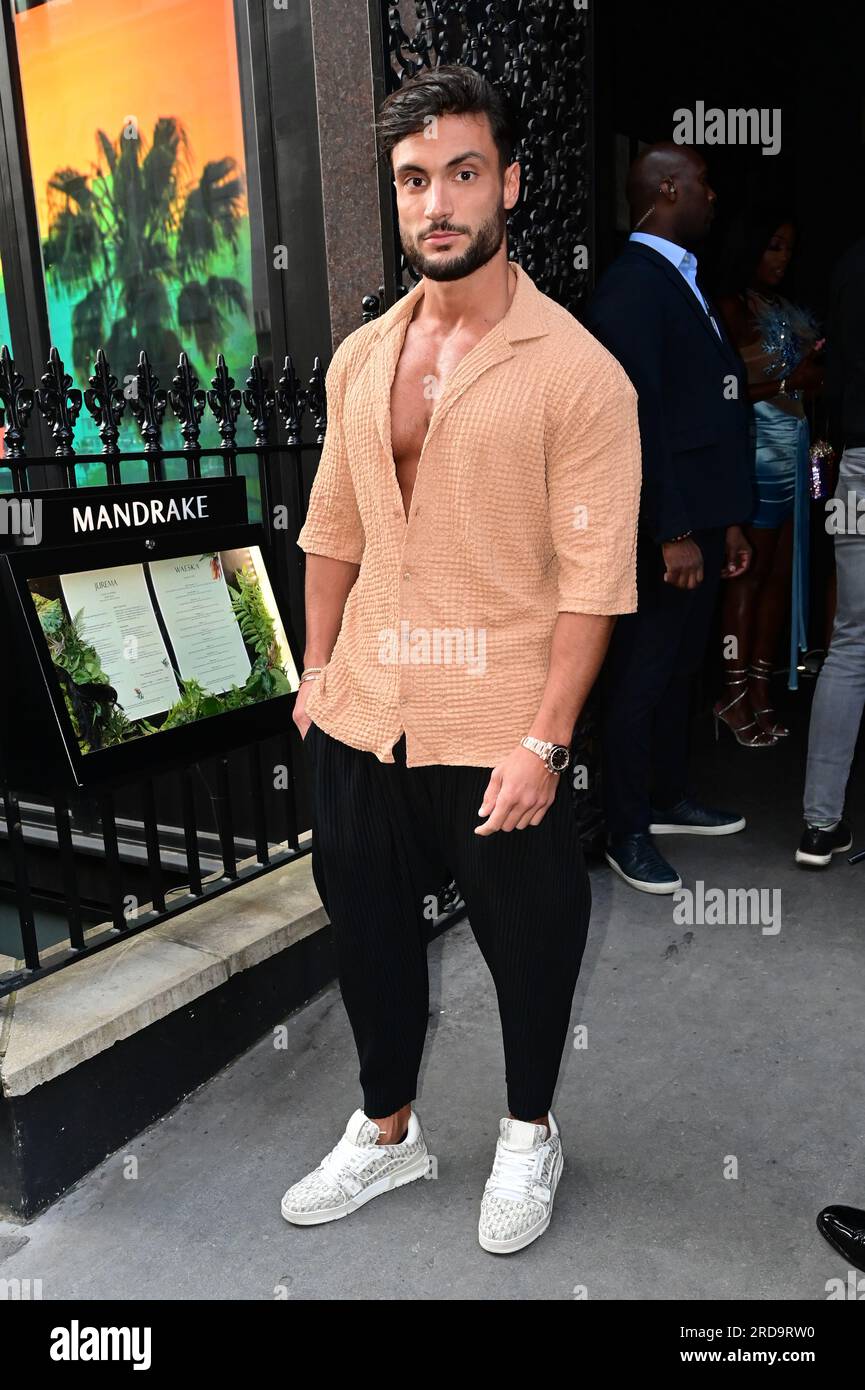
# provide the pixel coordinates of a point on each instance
(406, 575)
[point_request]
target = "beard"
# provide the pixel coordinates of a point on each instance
(447, 265)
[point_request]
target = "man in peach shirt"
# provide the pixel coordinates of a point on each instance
(470, 538)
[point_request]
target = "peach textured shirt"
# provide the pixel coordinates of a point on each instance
(524, 506)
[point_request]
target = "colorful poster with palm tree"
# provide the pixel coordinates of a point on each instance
(135, 133)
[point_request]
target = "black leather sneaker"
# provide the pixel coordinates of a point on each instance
(817, 846)
(844, 1228)
(688, 817)
(635, 859)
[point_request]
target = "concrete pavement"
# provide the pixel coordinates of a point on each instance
(710, 1050)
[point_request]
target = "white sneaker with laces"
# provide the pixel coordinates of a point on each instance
(518, 1196)
(356, 1170)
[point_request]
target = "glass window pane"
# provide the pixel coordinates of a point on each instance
(5, 337)
(135, 131)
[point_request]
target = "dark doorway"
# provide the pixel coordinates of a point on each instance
(805, 61)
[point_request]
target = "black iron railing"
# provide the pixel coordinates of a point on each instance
(129, 857)
(99, 868)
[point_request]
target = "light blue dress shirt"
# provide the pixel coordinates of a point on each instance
(684, 261)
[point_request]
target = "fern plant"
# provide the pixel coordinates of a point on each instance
(266, 676)
(254, 621)
(110, 725)
(104, 723)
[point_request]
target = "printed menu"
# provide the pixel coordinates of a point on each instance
(119, 622)
(196, 608)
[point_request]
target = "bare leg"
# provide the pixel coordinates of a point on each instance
(773, 602)
(741, 603)
(392, 1126)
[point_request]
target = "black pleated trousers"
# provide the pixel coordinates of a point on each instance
(387, 839)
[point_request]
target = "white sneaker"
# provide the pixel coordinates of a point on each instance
(356, 1170)
(518, 1197)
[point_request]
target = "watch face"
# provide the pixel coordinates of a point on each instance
(559, 758)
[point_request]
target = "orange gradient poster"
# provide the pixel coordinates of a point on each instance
(135, 136)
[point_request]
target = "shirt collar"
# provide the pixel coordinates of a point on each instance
(526, 315)
(683, 260)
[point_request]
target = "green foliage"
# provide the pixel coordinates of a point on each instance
(266, 678)
(255, 622)
(134, 238)
(67, 646)
(195, 703)
(71, 653)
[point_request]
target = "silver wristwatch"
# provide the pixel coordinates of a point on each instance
(555, 755)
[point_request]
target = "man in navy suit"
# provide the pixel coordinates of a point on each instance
(651, 314)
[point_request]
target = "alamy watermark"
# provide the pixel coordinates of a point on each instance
(846, 518)
(434, 646)
(728, 907)
(21, 516)
(751, 126)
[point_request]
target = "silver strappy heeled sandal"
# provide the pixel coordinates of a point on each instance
(761, 738)
(762, 670)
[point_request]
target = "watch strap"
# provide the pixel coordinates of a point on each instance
(543, 748)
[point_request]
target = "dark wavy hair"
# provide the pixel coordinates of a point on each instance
(749, 234)
(450, 90)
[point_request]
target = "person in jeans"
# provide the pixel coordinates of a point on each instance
(839, 697)
(471, 535)
(836, 712)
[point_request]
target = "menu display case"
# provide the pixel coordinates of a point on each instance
(138, 637)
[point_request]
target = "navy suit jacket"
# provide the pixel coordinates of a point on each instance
(692, 390)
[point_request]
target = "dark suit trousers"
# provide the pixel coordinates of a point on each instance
(646, 686)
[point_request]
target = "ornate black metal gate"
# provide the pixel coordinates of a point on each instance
(538, 53)
(169, 842)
